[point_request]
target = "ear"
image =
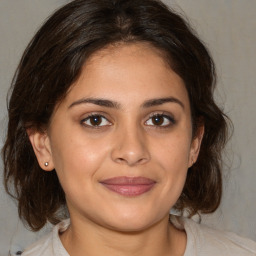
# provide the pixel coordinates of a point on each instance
(41, 145)
(195, 145)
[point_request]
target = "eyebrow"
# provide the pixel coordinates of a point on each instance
(96, 101)
(160, 101)
(116, 105)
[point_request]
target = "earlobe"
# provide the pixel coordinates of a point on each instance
(195, 145)
(42, 149)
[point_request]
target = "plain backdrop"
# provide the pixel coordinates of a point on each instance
(229, 30)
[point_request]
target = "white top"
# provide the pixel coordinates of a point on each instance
(201, 241)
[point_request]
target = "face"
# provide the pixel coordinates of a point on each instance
(121, 141)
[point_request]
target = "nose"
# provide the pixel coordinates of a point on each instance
(130, 148)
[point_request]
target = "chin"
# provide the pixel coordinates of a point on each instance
(132, 222)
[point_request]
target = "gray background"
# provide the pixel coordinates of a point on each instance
(228, 28)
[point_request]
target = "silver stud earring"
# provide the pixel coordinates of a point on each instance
(46, 164)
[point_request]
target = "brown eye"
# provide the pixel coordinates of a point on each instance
(160, 120)
(95, 121)
(157, 120)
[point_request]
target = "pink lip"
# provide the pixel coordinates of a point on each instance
(129, 186)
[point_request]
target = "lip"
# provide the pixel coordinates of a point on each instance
(129, 186)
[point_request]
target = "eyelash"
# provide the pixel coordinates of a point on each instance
(171, 121)
(94, 116)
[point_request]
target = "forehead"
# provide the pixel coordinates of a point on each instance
(128, 73)
(128, 48)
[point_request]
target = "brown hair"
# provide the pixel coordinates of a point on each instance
(51, 64)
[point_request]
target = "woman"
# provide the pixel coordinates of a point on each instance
(112, 123)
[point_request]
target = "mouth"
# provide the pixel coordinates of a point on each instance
(129, 186)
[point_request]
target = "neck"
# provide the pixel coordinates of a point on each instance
(87, 238)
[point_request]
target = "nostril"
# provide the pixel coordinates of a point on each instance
(131, 161)
(121, 160)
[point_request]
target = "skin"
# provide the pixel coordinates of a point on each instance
(126, 142)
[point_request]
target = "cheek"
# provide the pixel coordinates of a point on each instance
(173, 153)
(173, 157)
(76, 158)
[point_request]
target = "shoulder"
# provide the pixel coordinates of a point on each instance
(208, 241)
(41, 248)
(49, 245)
